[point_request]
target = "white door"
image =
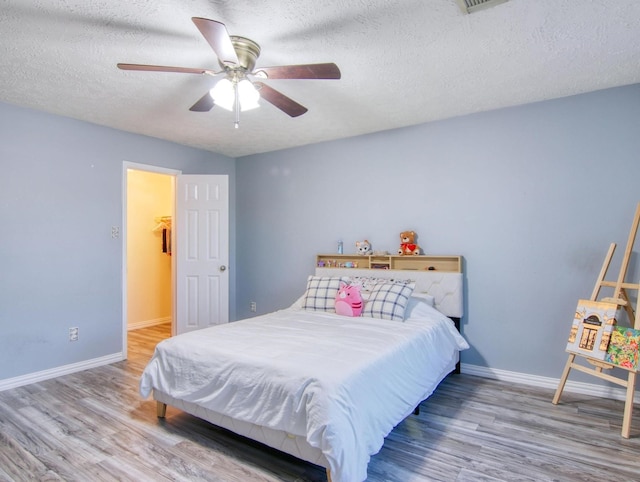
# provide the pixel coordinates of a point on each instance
(202, 251)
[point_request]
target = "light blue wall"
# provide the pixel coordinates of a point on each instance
(60, 193)
(531, 196)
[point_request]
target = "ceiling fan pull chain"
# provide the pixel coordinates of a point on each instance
(237, 104)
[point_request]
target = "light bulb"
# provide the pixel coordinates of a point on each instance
(248, 95)
(223, 94)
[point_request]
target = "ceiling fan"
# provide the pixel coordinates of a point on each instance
(238, 90)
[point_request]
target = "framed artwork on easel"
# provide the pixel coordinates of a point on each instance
(592, 326)
(623, 348)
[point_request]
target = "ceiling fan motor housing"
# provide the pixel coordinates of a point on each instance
(247, 51)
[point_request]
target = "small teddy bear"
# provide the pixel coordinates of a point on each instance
(364, 248)
(408, 243)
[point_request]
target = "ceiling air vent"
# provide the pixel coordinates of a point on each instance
(470, 6)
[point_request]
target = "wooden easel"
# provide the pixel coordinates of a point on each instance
(621, 298)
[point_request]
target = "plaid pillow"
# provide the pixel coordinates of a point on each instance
(321, 293)
(388, 301)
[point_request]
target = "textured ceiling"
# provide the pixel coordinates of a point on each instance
(403, 62)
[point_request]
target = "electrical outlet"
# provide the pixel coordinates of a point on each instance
(115, 232)
(74, 333)
(252, 306)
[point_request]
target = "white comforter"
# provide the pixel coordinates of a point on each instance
(343, 383)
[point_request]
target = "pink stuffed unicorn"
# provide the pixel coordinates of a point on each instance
(348, 300)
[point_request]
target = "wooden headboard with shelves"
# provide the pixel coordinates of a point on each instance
(415, 262)
(438, 276)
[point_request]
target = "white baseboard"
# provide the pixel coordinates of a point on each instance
(20, 381)
(484, 372)
(601, 391)
(147, 323)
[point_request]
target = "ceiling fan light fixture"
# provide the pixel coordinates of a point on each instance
(224, 95)
(237, 57)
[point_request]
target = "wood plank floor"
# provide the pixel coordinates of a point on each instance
(93, 426)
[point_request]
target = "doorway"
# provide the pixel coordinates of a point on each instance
(148, 266)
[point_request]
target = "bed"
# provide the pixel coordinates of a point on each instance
(322, 387)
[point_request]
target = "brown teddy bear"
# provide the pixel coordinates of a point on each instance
(408, 243)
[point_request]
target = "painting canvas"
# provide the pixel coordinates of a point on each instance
(592, 326)
(623, 348)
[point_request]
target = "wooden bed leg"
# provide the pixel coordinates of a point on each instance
(161, 409)
(328, 475)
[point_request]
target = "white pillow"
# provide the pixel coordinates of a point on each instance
(297, 304)
(426, 297)
(321, 293)
(367, 283)
(388, 301)
(419, 308)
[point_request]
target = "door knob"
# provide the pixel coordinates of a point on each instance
(223, 267)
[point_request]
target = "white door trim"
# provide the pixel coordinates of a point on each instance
(123, 239)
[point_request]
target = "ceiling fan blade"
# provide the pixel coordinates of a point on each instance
(163, 68)
(309, 71)
(216, 34)
(205, 104)
(281, 101)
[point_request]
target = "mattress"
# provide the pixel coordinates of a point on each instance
(339, 384)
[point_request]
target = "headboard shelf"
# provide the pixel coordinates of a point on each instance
(443, 263)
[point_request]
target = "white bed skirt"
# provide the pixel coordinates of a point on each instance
(291, 444)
